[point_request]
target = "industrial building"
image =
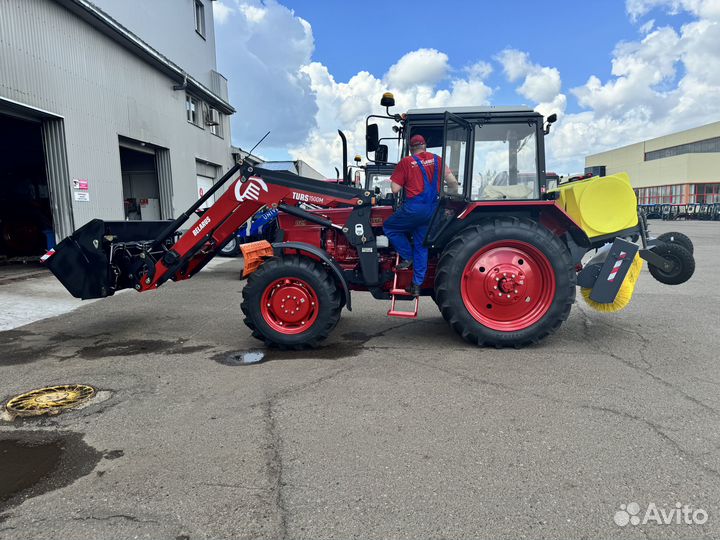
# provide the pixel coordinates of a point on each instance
(108, 109)
(678, 169)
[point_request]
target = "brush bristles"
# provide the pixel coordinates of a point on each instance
(624, 294)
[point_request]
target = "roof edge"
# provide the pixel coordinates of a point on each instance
(114, 30)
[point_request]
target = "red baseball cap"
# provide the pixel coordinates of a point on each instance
(417, 140)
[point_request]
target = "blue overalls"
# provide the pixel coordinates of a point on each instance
(413, 217)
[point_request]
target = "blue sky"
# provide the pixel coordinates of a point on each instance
(373, 38)
(615, 71)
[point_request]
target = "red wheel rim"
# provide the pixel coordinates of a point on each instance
(289, 306)
(508, 285)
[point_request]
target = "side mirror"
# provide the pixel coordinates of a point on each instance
(381, 153)
(549, 121)
(372, 138)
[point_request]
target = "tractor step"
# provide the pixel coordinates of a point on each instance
(401, 294)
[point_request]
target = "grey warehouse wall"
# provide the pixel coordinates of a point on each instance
(54, 61)
(169, 27)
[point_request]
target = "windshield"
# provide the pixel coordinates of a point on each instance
(381, 181)
(504, 162)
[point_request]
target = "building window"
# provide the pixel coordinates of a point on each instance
(699, 147)
(661, 194)
(192, 110)
(704, 193)
(215, 121)
(200, 17)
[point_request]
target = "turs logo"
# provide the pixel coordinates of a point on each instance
(250, 190)
(200, 226)
(306, 197)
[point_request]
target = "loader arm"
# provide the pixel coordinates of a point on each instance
(252, 189)
(103, 257)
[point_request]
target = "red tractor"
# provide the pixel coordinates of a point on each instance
(505, 252)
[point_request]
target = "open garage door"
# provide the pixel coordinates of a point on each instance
(35, 203)
(26, 217)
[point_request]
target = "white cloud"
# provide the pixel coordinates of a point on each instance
(706, 9)
(644, 98)
(262, 48)
(221, 12)
(479, 70)
(647, 27)
(516, 64)
(421, 67)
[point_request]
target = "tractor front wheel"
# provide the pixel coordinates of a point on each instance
(505, 282)
(291, 302)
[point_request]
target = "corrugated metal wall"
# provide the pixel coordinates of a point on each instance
(56, 169)
(164, 173)
(50, 59)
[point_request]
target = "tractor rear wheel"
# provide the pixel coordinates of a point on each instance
(291, 302)
(506, 282)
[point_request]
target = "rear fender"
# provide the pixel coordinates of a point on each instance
(547, 213)
(316, 252)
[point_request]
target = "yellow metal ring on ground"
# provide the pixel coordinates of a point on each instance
(50, 400)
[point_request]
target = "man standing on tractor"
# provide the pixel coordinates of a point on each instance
(419, 175)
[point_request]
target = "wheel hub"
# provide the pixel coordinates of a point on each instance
(292, 303)
(508, 285)
(289, 305)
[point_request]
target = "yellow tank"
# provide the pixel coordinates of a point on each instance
(600, 205)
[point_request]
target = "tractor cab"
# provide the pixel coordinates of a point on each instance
(495, 153)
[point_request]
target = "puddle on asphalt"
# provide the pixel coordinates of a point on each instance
(32, 463)
(335, 351)
(240, 358)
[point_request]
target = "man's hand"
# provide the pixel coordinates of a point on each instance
(451, 183)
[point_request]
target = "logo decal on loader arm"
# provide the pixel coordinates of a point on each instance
(250, 190)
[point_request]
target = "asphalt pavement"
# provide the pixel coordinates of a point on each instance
(394, 429)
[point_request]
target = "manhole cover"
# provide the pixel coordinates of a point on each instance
(50, 400)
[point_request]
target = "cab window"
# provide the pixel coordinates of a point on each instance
(382, 182)
(505, 162)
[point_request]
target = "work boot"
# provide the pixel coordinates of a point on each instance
(405, 264)
(413, 289)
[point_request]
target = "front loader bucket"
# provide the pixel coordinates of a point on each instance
(81, 263)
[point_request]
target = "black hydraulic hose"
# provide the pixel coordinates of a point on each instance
(182, 218)
(307, 216)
